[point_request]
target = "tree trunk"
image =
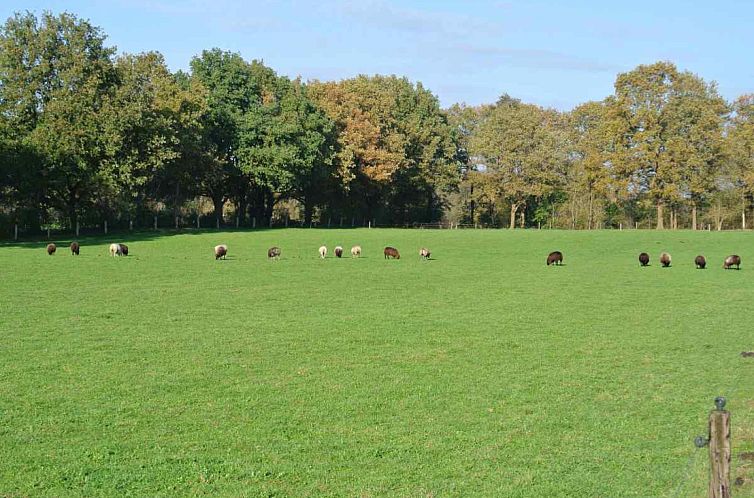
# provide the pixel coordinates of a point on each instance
(591, 203)
(743, 213)
(660, 216)
(693, 216)
(514, 207)
(176, 204)
(218, 203)
(522, 214)
(73, 215)
(269, 206)
(308, 212)
(473, 204)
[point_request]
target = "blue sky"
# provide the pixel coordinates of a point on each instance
(556, 54)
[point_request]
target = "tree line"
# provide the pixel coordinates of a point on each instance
(88, 136)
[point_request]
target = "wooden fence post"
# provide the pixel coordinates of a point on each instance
(78, 229)
(254, 222)
(197, 222)
(15, 231)
(719, 450)
(105, 227)
(155, 222)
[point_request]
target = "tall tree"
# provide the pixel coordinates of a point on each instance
(153, 129)
(671, 122)
(740, 146)
(395, 145)
(590, 154)
(524, 147)
(57, 76)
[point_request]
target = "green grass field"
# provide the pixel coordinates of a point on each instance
(479, 373)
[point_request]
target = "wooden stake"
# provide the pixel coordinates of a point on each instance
(719, 454)
(105, 227)
(15, 231)
(155, 222)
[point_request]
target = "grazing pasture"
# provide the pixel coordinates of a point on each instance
(478, 373)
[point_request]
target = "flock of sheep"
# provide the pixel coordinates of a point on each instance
(699, 261)
(554, 258)
(221, 251)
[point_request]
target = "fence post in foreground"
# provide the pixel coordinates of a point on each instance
(254, 222)
(105, 227)
(15, 231)
(78, 229)
(719, 450)
(718, 440)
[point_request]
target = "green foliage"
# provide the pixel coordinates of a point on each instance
(523, 147)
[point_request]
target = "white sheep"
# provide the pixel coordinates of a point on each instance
(356, 252)
(115, 250)
(323, 252)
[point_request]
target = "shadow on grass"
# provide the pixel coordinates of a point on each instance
(64, 239)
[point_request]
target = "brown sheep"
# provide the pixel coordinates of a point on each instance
(700, 262)
(731, 260)
(665, 260)
(123, 249)
(51, 248)
(424, 253)
(338, 252)
(221, 251)
(555, 257)
(75, 248)
(392, 252)
(643, 259)
(273, 252)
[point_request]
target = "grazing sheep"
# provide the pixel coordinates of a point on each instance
(555, 257)
(221, 251)
(424, 253)
(338, 252)
(123, 249)
(731, 260)
(273, 252)
(75, 248)
(323, 252)
(51, 248)
(700, 262)
(356, 252)
(392, 252)
(644, 259)
(665, 260)
(115, 250)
